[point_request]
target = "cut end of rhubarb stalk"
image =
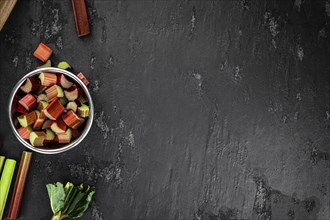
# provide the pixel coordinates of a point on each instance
(64, 82)
(54, 109)
(31, 85)
(58, 126)
(42, 105)
(83, 111)
(37, 138)
(48, 79)
(28, 101)
(72, 106)
(42, 97)
(71, 95)
(49, 136)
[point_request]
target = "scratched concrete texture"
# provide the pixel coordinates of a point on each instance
(205, 110)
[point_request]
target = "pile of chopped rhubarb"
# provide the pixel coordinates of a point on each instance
(51, 109)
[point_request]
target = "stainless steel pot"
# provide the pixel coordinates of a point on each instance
(63, 148)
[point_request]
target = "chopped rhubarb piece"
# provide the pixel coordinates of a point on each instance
(72, 120)
(64, 65)
(42, 52)
(47, 64)
(42, 97)
(42, 114)
(27, 119)
(48, 79)
(75, 133)
(53, 92)
(42, 105)
(83, 78)
(54, 109)
(49, 136)
(64, 138)
(39, 122)
(20, 108)
(63, 100)
(71, 95)
(41, 90)
(31, 85)
(24, 132)
(37, 138)
(58, 126)
(64, 82)
(83, 111)
(46, 124)
(28, 101)
(72, 106)
(81, 99)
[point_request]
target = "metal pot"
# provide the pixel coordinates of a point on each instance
(63, 148)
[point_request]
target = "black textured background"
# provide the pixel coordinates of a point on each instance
(204, 109)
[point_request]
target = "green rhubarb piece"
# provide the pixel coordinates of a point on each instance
(2, 160)
(64, 65)
(22, 121)
(59, 91)
(5, 181)
(83, 111)
(72, 106)
(37, 138)
(37, 113)
(69, 133)
(42, 105)
(49, 135)
(63, 100)
(47, 64)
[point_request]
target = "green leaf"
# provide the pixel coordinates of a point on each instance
(56, 195)
(69, 201)
(83, 204)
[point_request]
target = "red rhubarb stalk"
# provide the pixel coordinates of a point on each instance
(16, 199)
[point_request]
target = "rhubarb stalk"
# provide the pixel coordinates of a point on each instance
(2, 160)
(16, 199)
(5, 182)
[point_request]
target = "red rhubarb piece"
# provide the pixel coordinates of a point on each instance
(28, 102)
(54, 109)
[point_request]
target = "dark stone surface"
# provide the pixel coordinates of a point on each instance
(204, 109)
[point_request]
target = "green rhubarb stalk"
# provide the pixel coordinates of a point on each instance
(2, 160)
(5, 181)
